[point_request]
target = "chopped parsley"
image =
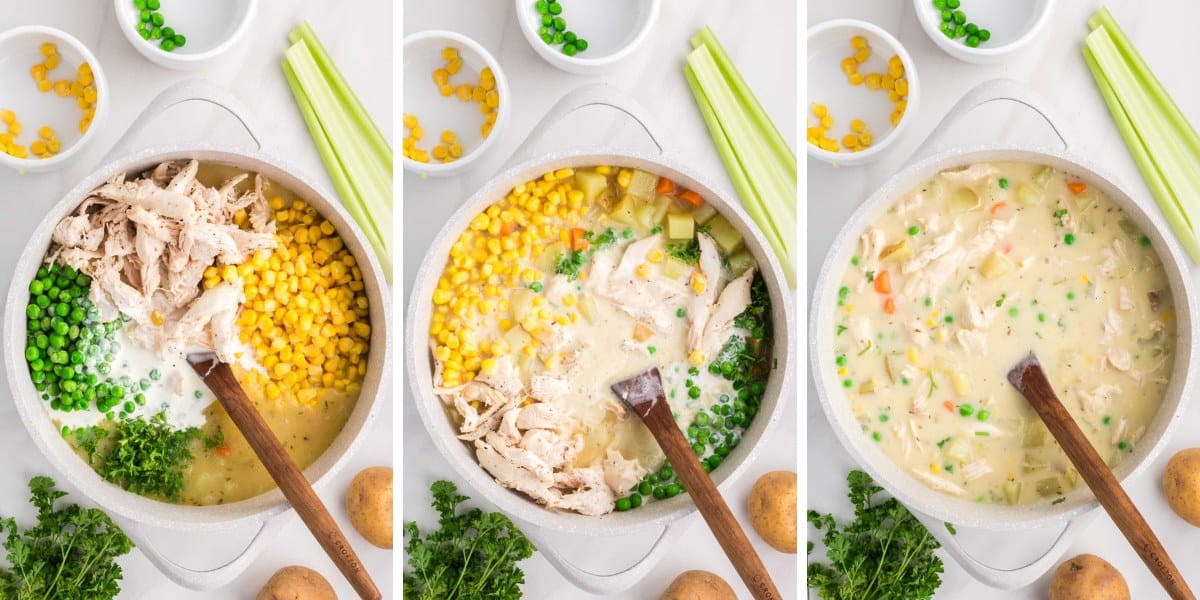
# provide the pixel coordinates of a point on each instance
(687, 252)
(569, 263)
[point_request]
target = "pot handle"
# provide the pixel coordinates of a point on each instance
(613, 583)
(1007, 579)
(985, 93)
(185, 91)
(592, 94)
(208, 579)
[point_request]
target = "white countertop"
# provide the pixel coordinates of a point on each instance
(252, 70)
(760, 38)
(1053, 66)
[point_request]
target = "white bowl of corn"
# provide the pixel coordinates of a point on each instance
(862, 88)
(455, 102)
(52, 93)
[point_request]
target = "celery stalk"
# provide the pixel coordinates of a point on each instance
(766, 127)
(363, 183)
(379, 146)
(1154, 178)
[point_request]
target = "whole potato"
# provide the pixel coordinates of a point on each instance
(773, 509)
(369, 503)
(698, 585)
(296, 583)
(1181, 484)
(1087, 577)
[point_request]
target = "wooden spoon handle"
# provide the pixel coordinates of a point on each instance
(1030, 379)
(712, 506)
(287, 476)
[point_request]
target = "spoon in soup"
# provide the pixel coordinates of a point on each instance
(644, 394)
(221, 380)
(1029, 378)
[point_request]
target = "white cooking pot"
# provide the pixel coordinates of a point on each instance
(933, 507)
(531, 517)
(133, 512)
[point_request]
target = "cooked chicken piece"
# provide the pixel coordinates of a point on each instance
(515, 477)
(650, 301)
(616, 408)
(732, 302)
(144, 193)
(1125, 301)
(540, 415)
(192, 329)
(929, 252)
(938, 483)
(979, 317)
(549, 446)
(545, 388)
(468, 414)
(506, 379)
(972, 341)
(1096, 401)
(1121, 360)
(972, 177)
(621, 474)
(77, 232)
(508, 426)
(701, 305)
(860, 328)
(592, 495)
(975, 470)
(1119, 431)
(872, 244)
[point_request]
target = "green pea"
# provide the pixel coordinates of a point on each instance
(959, 18)
(623, 505)
(581, 44)
(569, 49)
(693, 393)
(180, 40)
(635, 500)
(984, 35)
(983, 414)
(966, 410)
(972, 41)
(914, 230)
(1069, 239)
(673, 490)
(157, 19)
(555, 8)
(541, 6)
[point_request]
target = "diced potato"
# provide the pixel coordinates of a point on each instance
(995, 265)
(1033, 463)
(1050, 486)
(1027, 195)
(623, 212)
(680, 227)
(1084, 201)
(587, 307)
(642, 332)
(867, 387)
(958, 452)
(701, 214)
(644, 216)
(1035, 435)
(901, 250)
(726, 236)
(963, 200)
(591, 184)
(516, 338)
(662, 204)
(520, 301)
(1012, 492)
(1071, 478)
(642, 185)
(673, 268)
(1043, 176)
(961, 382)
(740, 261)
(547, 259)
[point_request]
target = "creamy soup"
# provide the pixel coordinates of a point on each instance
(188, 258)
(962, 278)
(578, 280)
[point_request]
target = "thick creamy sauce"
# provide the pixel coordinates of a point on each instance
(960, 280)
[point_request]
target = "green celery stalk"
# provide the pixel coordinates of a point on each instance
(766, 127)
(380, 148)
(1137, 147)
(770, 197)
(368, 189)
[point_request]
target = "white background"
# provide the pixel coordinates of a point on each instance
(1053, 66)
(760, 36)
(362, 49)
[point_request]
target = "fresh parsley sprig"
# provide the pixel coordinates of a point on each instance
(884, 554)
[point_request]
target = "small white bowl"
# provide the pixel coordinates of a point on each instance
(614, 29)
(828, 44)
(19, 52)
(211, 27)
(437, 113)
(1013, 25)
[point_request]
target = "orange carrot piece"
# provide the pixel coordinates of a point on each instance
(949, 405)
(577, 240)
(889, 306)
(691, 197)
(665, 186)
(1006, 246)
(1077, 187)
(997, 206)
(222, 451)
(883, 282)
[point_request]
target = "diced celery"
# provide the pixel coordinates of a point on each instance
(662, 204)
(1027, 195)
(1012, 492)
(1035, 435)
(740, 261)
(680, 227)
(642, 185)
(674, 268)
(591, 184)
(701, 214)
(644, 216)
(958, 452)
(724, 233)
(1050, 486)
(1043, 176)
(520, 301)
(1033, 463)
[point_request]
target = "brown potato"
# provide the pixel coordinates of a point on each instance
(1087, 577)
(369, 504)
(698, 585)
(296, 583)
(1181, 484)
(773, 509)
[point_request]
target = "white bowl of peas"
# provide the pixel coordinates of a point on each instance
(982, 31)
(586, 37)
(52, 93)
(181, 34)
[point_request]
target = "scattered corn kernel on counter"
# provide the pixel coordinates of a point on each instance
(572, 282)
(188, 257)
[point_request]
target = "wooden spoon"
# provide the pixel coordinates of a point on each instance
(283, 470)
(1028, 377)
(644, 394)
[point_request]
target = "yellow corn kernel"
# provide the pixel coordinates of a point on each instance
(642, 270)
(857, 126)
(492, 98)
(914, 355)
(849, 65)
(45, 85)
(446, 90)
(895, 118)
(901, 86)
(858, 42)
(872, 80)
(84, 74)
(52, 61)
(850, 140)
(38, 72)
(697, 358)
(819, 110)
(38, 147)
(48, 48)
(699, 283)
(449, 53)
(54, 146)
(455, 150)
(855, 79)
(8, 117)
(862, 54)
(410, 121)
(440, 152)
(865, 138)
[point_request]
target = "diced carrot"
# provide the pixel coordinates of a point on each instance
(889, 306)
(997, 206)
(883, 282)
(1077, 187)
(577, 240)
(949, 405)
(1006, 246)
(642, 332)
(665, 186)
(222, 451)
(691, 197)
